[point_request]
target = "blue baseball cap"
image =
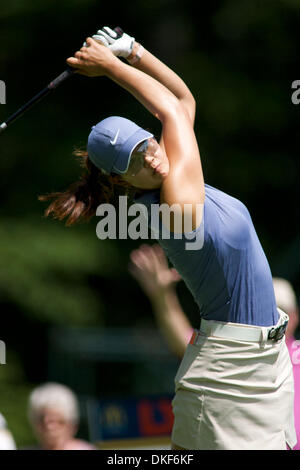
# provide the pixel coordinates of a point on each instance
(111, 142)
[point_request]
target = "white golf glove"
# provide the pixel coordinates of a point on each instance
(116, 40)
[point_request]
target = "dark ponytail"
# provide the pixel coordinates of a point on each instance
(79, 202)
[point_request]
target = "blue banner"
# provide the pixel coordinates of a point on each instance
(130, 418)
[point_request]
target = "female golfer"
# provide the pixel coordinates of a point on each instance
(234, 388)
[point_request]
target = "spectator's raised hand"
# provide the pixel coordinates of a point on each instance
(150, 268)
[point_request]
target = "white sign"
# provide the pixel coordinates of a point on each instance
(2, 352)
(2, 92)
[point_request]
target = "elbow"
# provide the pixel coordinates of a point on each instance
(189, 104)
(185, 107)
(171, 107)
(192, 104)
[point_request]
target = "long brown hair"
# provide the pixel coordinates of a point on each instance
(79, 202)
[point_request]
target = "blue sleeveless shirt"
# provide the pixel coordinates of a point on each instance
(227, 272)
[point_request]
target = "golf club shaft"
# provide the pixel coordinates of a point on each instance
(51, 86)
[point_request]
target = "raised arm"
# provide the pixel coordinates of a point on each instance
(149, 267)
(125, 46)
(97, 60)
(184, 183)
(151, 65)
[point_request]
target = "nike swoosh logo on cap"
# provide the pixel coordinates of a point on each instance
(114, 141)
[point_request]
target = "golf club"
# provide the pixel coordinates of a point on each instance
(44, 92)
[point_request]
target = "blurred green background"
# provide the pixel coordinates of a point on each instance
(239, 58)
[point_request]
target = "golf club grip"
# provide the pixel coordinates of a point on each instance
(35, 99)
(61, 78)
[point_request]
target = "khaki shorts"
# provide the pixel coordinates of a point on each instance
(234, 395)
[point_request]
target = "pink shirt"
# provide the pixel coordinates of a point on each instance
(78, 444)
(294, 350)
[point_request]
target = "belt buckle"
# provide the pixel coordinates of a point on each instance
(276, 334)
